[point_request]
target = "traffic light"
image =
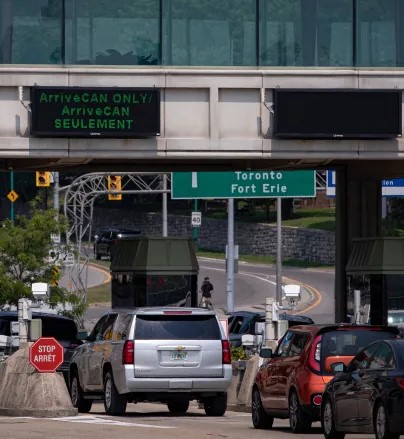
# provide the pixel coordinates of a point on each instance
(55, 276)
(114, 184)
(43, 178)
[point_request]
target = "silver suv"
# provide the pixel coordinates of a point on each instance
(169, 355)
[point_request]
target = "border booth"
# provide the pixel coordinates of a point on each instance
(375, 281)
(154, 272)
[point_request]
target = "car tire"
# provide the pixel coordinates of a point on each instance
(380, 423)
(260, 419)
(77, 395)
(114, 403)
(178, 407)
(328, 422)
(216, 406)
(299, 422)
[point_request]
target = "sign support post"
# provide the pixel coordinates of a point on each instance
(230, 255)
(12, 189)
(195, 231)
(279, 250)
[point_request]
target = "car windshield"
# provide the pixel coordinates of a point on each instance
(347, 343)
(4, 326)
(180, 327)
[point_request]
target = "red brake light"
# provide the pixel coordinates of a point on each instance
(400, 382)
(314, 356)
(128, 354)
(226, 353)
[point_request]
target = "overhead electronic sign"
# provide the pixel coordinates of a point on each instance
(95, 112)
(337, 114)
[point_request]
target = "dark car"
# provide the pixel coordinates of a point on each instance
(243, 322)
(105, 240)
(291, 383)
(368, 395)
(63, 329)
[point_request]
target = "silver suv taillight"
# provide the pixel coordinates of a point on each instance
(128, 354)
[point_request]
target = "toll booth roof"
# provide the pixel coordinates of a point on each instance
(379, 255)
(154, 254)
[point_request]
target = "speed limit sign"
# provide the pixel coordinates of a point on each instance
(196, 219)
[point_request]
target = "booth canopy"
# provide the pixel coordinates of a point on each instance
(380, 255)
(154, 255)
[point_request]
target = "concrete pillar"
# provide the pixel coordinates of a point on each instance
(358, 215)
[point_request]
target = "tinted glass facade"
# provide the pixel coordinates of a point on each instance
(241, 33)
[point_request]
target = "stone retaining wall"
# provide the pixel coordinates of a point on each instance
(252, 239)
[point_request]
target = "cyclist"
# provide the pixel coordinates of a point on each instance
(206, 291)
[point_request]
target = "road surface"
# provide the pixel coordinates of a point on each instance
(253, 283)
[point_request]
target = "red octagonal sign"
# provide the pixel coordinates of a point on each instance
(46, 354)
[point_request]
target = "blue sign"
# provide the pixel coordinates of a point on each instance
(393, 187)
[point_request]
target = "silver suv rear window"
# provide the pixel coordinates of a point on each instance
(177, 327)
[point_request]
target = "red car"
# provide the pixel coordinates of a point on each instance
(290, 384)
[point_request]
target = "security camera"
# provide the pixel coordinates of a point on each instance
(39, 290)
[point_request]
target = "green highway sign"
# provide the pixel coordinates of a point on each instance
(243, 184)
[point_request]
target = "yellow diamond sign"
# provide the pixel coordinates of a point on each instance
(12, 196)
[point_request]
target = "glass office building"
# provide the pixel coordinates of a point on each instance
(242, 33)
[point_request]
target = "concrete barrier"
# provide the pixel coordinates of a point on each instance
(26, 392)
(239, 393)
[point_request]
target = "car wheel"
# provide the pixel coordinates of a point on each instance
(77, 396)
(328, 422)
(114, 403)
(380, 423)
(178, 407)
(216, 406)
(299, 422)
(260, 418)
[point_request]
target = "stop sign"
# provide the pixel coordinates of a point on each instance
(46, 354)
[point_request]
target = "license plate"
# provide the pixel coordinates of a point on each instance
(178, 356)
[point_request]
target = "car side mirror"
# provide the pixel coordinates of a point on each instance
(266, 353)
(338, 367)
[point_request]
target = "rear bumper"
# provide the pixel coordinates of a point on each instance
(126, 383)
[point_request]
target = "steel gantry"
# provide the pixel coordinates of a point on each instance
(79, 207)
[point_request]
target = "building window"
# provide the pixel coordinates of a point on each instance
(209, 33)
(378, 44)
(31, 32)
(306, 33)
(110, 33)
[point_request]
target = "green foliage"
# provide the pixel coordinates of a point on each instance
(238, 353)
(24, 257)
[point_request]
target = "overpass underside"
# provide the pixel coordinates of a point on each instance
(217, 119)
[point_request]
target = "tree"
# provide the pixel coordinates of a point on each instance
(24, 258)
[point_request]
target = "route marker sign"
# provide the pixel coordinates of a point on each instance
(46, 354)
(243, 184)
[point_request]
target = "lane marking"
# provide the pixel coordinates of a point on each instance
(97, 420)
(316, 292)
(101, 269)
